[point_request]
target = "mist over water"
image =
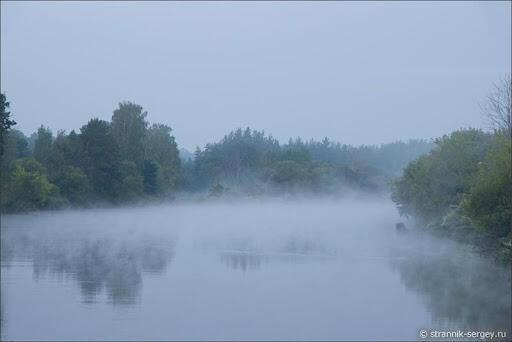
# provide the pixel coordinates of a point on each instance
(268, 269)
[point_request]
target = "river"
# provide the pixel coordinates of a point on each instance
(248, 270)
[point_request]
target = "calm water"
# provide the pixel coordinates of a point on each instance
(303, 270)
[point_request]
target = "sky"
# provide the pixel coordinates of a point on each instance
(358, 73)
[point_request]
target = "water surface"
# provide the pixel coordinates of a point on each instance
(267, 270)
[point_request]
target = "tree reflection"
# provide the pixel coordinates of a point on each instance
(242, 261)
(460, 289)
(246, 255)
(97, 262)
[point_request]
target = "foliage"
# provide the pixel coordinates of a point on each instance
(433, 182)
(74, 185)
(15, 147)
(5, 121)
(132, 185)
(129, 127)
(161, 148)
(67, 150)
(16, 144)
(248, 159)
(463, 184)
(116, 161)
(127, 159)
(150, 174)
(28, 189)
(237, 156)
(489, 201)
(101, 158)
(386, 159)
(43, 145)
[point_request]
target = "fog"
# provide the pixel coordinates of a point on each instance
(260, 269)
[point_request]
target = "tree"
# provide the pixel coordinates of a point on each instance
(129, 127)
(161, 147)
(69, 147)
(65, 151)
(20, 143)
(239, 156)
(43, 145)
(498, 107)
(101, 158)
(15, 147)
(5, 122)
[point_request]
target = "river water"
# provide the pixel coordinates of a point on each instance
(248, 270)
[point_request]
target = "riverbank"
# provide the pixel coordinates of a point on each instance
(462, 189)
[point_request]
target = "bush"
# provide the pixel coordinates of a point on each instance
(28, 189)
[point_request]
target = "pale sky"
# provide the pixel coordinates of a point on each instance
(365, 72)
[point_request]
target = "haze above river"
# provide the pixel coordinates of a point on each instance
(248, 270)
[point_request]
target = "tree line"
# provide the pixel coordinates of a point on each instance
(463, 186)
(117, 161)
(126, 159)
(251, 162)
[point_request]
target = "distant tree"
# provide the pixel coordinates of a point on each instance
(55, 161)
(290, 173)
(101, 158)
(297, 153)
(66, 150)
(43, 145)
(69, 148)
(20, 142)
(240, 155)
(129, 127)
(5, 122)
(498, 107)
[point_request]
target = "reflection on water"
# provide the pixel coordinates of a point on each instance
(239, 260)
(96, 261)
(460, 288)
(245, 256)
(230, 272)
